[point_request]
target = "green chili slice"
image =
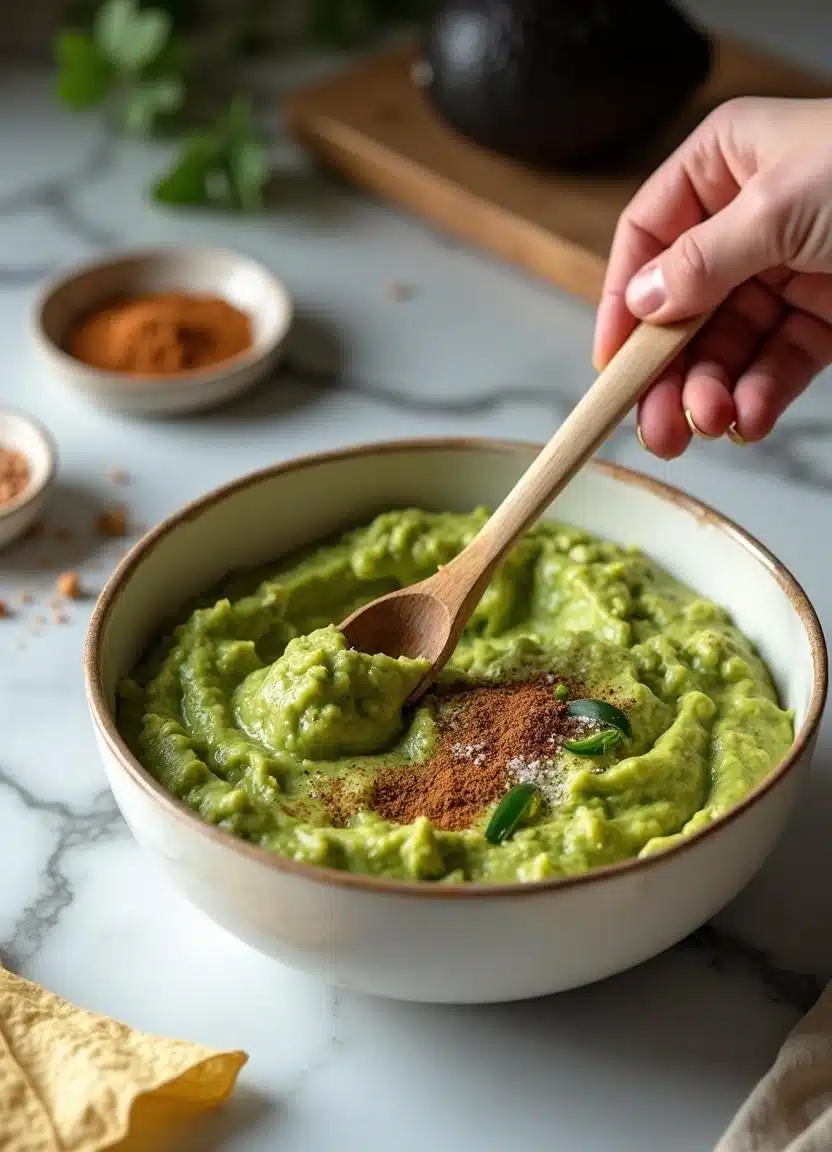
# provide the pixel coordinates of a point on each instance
(596, 744)
(601, 711)
(509, 812)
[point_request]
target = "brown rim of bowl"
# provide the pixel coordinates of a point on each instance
(244, 359)
(32, 491)
(414, 888)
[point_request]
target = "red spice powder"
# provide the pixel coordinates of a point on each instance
(482, 732)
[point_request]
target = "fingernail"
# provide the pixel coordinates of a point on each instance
(734, 436)
(695, 429)
(646, 292)
(640, 438)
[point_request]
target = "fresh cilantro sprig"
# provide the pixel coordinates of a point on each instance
(227, 166)
(134, 59)
(122, 58)
(129, 58)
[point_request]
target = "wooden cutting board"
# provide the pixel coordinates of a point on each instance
(375, 125)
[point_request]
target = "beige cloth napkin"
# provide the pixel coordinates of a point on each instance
(790, 1110)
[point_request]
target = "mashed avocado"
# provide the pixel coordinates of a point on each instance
(255, 713)
(320, 700)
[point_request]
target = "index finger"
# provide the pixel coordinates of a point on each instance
(693, 183)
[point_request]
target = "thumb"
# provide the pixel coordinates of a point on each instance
(707, 262)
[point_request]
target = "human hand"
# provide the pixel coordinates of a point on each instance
(738, 218)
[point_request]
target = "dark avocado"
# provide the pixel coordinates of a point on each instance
(577, 84)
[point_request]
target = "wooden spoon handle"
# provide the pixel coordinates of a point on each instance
(636, 365)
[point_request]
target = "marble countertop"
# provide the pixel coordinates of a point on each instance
(658, 1058)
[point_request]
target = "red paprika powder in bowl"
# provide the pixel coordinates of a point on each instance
(166, 333)
(163, 331)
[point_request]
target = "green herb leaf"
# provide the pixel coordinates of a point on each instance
(129, 36)
(236, 123)
(229, 166)
(248, 165)
(597, 744)
(249, 169)
(509, 812)
(84, 75)
(601, 711)
(188, 181)
(151, 99)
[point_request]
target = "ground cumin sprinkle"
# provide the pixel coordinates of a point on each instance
(489, 737)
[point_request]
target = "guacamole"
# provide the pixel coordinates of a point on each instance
(255, 713)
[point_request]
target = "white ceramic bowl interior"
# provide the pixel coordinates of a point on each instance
(23, 434)
(242, 281)
(431, 942)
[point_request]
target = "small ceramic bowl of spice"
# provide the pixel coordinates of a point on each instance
(28, 462)
(162, 332)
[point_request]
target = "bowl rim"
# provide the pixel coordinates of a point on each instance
(149, 382)
(32, 492)
(418, 889)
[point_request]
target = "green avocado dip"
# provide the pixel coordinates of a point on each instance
(255, 713)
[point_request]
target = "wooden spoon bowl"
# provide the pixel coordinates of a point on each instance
(426, 619)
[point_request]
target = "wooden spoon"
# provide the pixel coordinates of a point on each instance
(425, 620)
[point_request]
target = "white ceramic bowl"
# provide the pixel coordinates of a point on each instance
(238, 279)
(471, 943)
(23, 434)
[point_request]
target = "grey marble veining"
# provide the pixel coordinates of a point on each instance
(671, 1047)
(72, 827)
(54, 197)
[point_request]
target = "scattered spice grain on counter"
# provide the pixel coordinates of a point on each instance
(112, 522)
(14, 474)
(400, 292)
(69, 585)
(164, 334)
(38, 607)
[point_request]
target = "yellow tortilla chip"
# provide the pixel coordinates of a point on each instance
(72, 1081)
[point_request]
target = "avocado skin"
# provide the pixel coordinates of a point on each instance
(577, 84)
